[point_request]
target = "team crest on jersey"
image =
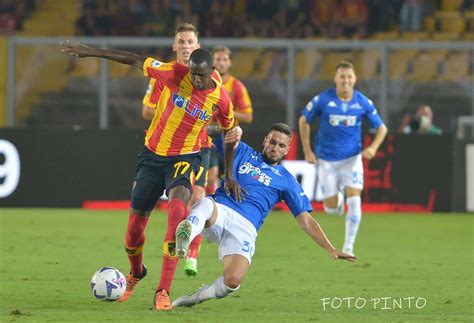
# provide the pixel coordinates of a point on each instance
(344, 106)
(256, 173)
(194, 111)
(342, 120)
(155, 63)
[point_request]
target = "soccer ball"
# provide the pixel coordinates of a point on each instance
(108, 284)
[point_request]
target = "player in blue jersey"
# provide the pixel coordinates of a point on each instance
(234, 224)
(338, 146)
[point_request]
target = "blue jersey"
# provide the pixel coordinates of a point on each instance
(266, 185)
(340, 122)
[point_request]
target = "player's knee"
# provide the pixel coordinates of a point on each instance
(330, 210)
(232, 280)
(140, 212)
(169, 249)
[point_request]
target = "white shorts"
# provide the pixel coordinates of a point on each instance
(334, 176)
(232, 232)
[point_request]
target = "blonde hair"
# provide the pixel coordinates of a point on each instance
(224, 49)
(186, 27)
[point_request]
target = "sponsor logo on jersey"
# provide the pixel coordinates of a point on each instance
(332, 104)
(342, 120)
(255, 172)
(344, 107)
(355, 106)
(194, 111)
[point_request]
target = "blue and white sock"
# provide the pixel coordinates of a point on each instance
(353, 218)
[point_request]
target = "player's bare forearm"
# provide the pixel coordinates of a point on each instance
(379, 137)
(214, 130)
(244, 117)
(81, 50)
(313, 229)
(304, 130)
(229, 160)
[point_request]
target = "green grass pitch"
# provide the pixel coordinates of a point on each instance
(49, 255)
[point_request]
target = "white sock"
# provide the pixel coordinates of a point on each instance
(216, 290)
(353, 217)
(339, 210)
(200, 213)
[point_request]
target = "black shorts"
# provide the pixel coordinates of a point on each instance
(156, 174)
(201, 171)
(216, 159)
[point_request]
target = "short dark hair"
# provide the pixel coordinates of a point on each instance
(224, 49)
(345, 64)
(186, 27)
(200, 56)
(283, 128)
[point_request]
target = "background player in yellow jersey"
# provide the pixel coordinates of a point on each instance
(191, 96)
(243, 112)
(185, 42)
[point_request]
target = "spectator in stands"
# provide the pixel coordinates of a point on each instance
(159, 19)
(467, 5)
(322, 15)
(123, 22)
(383, 14)
(411, 15)
(186, 14)
(352, 16)
(90, 24)
(217, 24)
(421, 123)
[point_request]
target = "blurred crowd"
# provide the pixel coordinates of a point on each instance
(255, 18)
(13, 13)
(240, 18)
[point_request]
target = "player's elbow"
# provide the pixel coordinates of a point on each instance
(249, 118)
(305, 221)
(147, 113)
(302, 122)
(382, 130)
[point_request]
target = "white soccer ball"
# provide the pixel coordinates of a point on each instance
(108, 284)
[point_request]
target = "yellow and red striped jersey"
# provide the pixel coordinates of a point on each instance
(238, 95)
(240, 100)
(182, 112)
(154, 89)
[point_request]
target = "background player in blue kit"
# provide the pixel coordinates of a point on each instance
(338, 146)
(234, 225)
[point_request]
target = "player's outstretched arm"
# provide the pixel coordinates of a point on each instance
(230, 184)
(305, 129)
(371, 150)
(313, 229)
(80, 50)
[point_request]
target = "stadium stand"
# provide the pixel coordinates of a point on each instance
(446, 20)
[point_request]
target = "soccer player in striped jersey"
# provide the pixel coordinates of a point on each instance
(243, 112)
(189, 99)
(185, 42)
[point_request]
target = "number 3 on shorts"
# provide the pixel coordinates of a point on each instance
(247, 247)
(184, 166)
